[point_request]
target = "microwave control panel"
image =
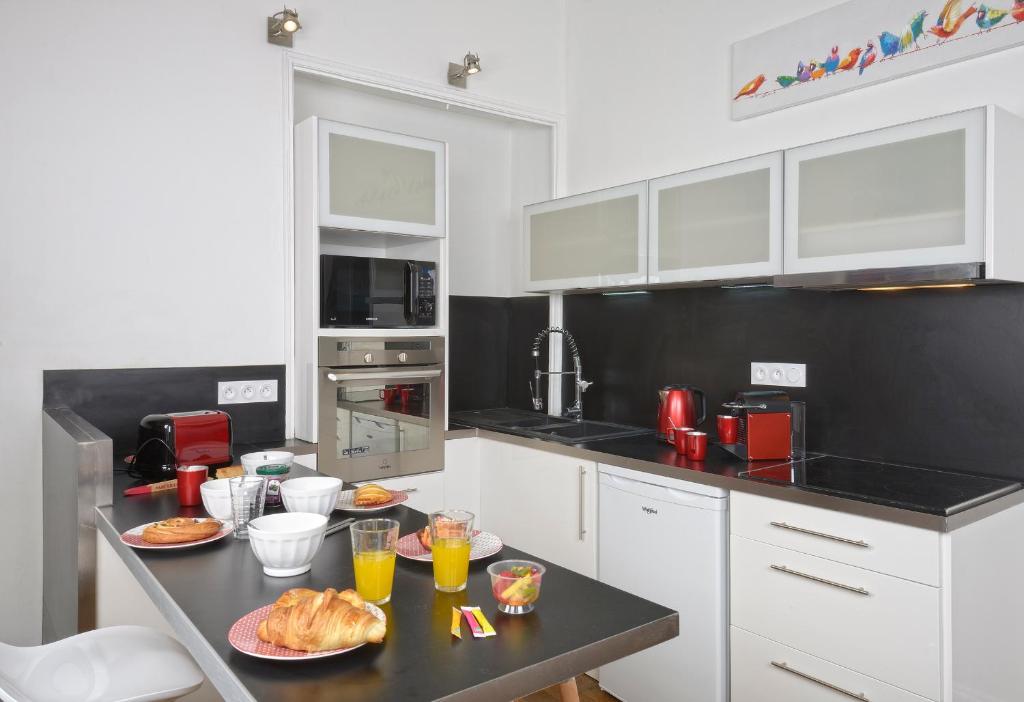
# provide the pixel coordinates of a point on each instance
(425, 296)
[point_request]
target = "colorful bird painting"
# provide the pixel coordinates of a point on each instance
(817, 70)
(1018, 10)
(951, 19)
(851, 58)
(785, 81)
(803, 72)
(867, 58)
(832, 62)
(890, 44)
(751, 87)
(913, 31)
(989, 17)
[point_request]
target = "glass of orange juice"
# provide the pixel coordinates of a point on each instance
(373, 557)
(450, 533)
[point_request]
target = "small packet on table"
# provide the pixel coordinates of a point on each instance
(478, 623)
(456, 623)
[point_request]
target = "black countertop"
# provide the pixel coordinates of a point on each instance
(579, 623)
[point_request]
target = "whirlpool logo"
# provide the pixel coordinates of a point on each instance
(385, 465)
(648, 510)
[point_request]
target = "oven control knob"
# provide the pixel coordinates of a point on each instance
(403, 357)
(368, 358)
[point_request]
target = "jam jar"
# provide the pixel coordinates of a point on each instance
(275, 474)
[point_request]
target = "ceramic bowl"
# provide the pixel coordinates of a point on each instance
(286, 543)
(252, 461)
(317, 494)
(216, 496)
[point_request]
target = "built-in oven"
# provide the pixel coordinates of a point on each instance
(377, 292)
(381, 406)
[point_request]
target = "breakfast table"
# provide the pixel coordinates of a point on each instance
(579, 623)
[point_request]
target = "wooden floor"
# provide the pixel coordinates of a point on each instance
(589, 692)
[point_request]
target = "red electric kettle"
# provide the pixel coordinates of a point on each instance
(677, 407)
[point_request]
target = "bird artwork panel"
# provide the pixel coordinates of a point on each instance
(862, 42)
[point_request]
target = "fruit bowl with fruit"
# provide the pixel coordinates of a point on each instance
(515, 585)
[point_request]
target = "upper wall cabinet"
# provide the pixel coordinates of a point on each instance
(931, 193)
(592, 240)
(380, 181)
(717, 223)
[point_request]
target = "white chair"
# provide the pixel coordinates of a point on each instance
(115, 664)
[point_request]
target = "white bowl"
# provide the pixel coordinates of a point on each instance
(316, 494)
(217, 498)
(252, 461)
(286, 543)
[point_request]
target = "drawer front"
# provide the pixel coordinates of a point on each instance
(766, 670)
(884, 627)
(896, 549)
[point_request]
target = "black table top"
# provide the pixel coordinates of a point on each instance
(578, 624)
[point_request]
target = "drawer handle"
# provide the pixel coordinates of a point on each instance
(815, 578)
(857, 696)
(811, 532)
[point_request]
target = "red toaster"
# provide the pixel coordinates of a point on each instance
(182, 438)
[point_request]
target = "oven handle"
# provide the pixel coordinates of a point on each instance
(384, 375)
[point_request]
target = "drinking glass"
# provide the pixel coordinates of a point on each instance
(450, 534)
(248, 495)
(373, 557)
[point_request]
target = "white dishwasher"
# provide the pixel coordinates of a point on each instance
(666, 540)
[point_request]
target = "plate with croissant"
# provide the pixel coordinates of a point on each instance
(176, 532)
(305, 624)
(369, 498)
(416, 546)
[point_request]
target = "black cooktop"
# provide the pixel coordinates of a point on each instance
(907, 487)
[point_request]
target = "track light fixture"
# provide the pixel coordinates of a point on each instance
(281, 26)
(457, 72)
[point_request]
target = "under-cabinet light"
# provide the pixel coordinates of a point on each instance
(928, 286)
(620, 293)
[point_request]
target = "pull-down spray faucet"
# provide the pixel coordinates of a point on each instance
(576, 411)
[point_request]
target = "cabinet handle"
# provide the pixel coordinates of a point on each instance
(781, 665)
(583, 529)
(823, 581)
(811, 532)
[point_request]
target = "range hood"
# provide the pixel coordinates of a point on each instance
(949, 274)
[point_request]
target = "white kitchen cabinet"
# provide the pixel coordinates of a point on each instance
(372, 180)
(541, 502)
(717, 223)
(936, 192)
(592, 240)
(462, 475)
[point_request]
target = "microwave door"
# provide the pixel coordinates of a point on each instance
(388, 283)
(344, 291)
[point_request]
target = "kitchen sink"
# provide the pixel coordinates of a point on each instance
(542, 426)
(578, 432)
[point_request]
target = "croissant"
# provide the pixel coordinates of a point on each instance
(372, 494)
(178, 530)
(306, 620)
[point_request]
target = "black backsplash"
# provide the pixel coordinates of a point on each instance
(489, 350)
(926, 376)
(114, 400)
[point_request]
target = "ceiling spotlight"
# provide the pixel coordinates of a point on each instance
(281, 26)
(457, 72)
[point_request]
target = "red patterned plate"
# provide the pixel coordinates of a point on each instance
(346, 501)
(242, 636)
(133, 537)
(482, 545)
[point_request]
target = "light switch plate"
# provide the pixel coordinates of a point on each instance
(237, 392)
(782, 375)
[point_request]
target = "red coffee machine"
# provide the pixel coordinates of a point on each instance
(766, 425)
(678, 407)
(181, 438)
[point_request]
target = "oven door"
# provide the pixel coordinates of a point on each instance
(377, 423)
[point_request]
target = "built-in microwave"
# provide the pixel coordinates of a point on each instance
(384, 293)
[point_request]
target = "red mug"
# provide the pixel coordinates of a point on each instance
(189, 480)
(389, 395)
(696, 445)
(679, 438)
(728, 428)
(406, 393)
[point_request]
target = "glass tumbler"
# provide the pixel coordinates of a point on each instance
(450, 534)
(248, 495)
(373, 558)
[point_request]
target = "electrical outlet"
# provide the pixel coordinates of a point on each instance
(784, 375)
(235, 392)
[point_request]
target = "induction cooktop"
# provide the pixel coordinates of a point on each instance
(906, 487)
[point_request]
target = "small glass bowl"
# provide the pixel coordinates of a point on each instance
(514, 594)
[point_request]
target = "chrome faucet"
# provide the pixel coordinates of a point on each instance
(576, 411)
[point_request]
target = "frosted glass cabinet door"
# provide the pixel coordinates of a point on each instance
(380, 181)
(717, 223)
(592, 240)
(910, 195)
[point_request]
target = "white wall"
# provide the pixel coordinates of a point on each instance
(496, 166)
(649, 89)
(141, 189)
